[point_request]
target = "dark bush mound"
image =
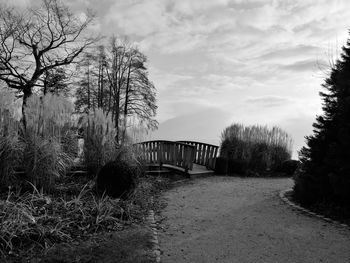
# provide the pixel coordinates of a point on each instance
(116, 179)
(288, 167)
(230, 167)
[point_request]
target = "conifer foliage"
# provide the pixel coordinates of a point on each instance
(325, 173)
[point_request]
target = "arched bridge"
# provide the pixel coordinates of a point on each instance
(190, 156)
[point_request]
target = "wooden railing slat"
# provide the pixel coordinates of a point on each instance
(205, 153)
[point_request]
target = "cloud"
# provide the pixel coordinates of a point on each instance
(298, 127)
(269, 101)
(205, 124)
(304, 65)
(291, 52)
(17, 3)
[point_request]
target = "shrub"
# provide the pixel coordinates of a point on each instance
(227, 166)
(119, 177)
(257, 147)
(100, 144)
(116, 179)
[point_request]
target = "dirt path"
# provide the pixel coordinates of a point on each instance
(228, 219)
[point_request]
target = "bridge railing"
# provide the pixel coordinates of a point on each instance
(167, 152)
(205, 153)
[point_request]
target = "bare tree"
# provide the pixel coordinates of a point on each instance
(120, 59)
(85, 92)
(38, 40)
(139, 93)
(121, 87)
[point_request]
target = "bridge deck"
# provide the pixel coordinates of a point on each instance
(200, 170)
(197, 170)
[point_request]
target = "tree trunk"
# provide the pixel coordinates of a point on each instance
(88, 86)
(126, 102)
(27, 92)
(99, 86)
(117, 113)
(45, 84)
(101, 83)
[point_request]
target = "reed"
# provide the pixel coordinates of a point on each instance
(49, 116)
(100, 144)
(11, 147)
(49, 121)
(260, 147)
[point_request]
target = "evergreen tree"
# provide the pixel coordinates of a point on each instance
(325, 173)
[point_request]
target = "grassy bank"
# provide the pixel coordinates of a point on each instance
(76, 223)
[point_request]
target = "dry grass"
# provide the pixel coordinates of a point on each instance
(34, 222)
(11, 147)
(49, 116)
(44, 161)
(45, 149)
(39, 220)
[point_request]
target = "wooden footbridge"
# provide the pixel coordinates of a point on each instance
(190, 157)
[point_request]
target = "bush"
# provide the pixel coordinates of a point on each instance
(230, 166)
(116, 179)
(255, 148)
(119, 177)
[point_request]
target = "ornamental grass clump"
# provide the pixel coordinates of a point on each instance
(11, 147)
(47, 155)
(49, 116)
(256, 147)
(100, 144)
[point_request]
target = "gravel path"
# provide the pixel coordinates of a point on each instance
(229, 219)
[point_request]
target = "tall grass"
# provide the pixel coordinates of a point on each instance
(258, 146)
(49, 116)
(44, 148)
(47, 155)
(100, 144)
(11, 147)
(38, 219)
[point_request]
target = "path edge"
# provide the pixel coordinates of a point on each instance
(283, 195)
(154, 239)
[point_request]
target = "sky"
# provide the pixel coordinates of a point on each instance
(220, 62)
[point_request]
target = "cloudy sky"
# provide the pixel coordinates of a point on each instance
(215, 62)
